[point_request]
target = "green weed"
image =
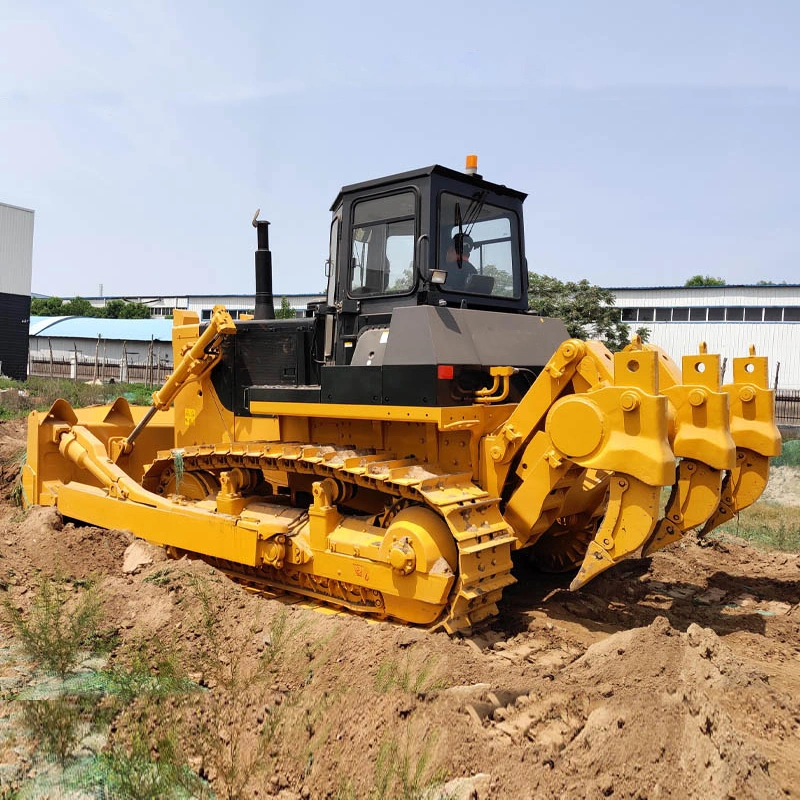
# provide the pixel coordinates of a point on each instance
(236, 686)
(407, 676)
(55, 724)
(403, 773)
(149, 767)
(153, 672)
(50, 633)
(43, 392)
(161, 577)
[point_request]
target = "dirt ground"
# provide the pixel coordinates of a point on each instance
(673, 677)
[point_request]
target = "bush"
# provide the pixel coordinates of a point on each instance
(54, 722)
(790, 455)
(50, 633)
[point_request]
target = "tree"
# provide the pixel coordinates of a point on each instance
(47, 306)
(705, 280)
(80, 307)
(113, 308)
(587, 310)
(134, 311)
(285, 311)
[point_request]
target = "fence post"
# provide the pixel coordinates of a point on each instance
(95, 377)
(50, 345)
(149, 370)
(123, 366)
(777, 372)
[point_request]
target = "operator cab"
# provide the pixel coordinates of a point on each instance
(432, 236)
(427, 289)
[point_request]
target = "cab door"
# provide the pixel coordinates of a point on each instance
(331, 298)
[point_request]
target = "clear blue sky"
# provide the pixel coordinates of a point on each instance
(656, 140)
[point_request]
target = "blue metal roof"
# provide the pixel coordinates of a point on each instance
(122, 330)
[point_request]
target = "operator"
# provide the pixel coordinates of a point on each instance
(458, 268)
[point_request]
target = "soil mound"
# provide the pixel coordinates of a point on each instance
(673, 677)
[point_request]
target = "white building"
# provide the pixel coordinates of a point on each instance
(728, 318)
(204, 303)
(16, 258)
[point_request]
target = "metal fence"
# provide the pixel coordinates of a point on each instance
(787, 407)
(104, 370)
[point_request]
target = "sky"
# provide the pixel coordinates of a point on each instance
(656, 140)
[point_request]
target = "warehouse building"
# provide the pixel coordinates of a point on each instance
(86, 348)
(728, 318)
(203, 304)
(16, 261)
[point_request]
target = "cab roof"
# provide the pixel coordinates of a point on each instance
(426, 172)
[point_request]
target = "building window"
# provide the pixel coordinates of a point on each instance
(680, 314)
(629, 315)
(205, 314)
(734, 313)
(697, 314)
(663, 314)
(646, 314)
(773, 314)
(753, 314)
(716, 314)
(791, 314)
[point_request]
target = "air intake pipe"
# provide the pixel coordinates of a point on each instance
(265, 304)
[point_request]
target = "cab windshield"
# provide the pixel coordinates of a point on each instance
(478, 246)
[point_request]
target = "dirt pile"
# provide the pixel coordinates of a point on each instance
(676, 676)
(650, 712)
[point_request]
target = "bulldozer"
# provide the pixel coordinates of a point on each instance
(388, 452)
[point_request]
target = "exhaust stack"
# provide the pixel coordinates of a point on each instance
(265, 304)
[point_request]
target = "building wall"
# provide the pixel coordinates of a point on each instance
(14, 315)
(204, 303)
(16, 258)
(64, 347)
(728, 318)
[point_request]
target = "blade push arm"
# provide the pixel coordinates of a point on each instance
(198, 359)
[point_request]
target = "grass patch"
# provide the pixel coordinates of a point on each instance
(790, 455)
(40, 393)
(147, 768)
(408, 676)
(402, 771)
(767, 525)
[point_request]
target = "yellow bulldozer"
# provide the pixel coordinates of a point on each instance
(388, 452)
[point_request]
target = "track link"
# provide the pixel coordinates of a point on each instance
(483, 538)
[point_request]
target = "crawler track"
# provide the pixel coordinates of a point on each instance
(483, 538)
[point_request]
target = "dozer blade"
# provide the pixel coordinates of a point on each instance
(628, 522)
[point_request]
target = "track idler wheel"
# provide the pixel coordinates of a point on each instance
(421, 550)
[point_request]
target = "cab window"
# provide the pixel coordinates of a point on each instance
(382, 254)
(478, 246)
